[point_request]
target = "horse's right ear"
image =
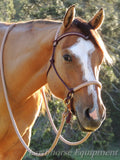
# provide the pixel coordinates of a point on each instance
(69, 16)
(97, 20)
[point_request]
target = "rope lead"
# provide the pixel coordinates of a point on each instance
(65, 114)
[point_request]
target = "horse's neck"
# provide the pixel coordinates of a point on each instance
(26, 58)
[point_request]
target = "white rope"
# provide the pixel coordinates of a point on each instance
(55, 129)
(10, 111)
(58, 132)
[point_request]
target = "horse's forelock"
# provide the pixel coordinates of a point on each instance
(82, 25)
(86, 29)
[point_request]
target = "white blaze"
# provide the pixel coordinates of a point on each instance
(83, 50)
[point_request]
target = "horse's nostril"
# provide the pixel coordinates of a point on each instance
(87, 113)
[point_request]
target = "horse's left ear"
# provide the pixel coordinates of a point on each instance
(69, 16)
(97, 20)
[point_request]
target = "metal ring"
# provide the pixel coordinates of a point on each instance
(68, 98)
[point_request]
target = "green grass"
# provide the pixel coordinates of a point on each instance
(113, 153)
(98, 156)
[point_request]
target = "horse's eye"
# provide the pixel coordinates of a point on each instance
(67, 57)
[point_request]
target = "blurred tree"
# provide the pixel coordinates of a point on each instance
(7, 10)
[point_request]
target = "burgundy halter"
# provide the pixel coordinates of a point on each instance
(69, 97)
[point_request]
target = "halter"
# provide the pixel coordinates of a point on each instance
(69, 97)
(67, 100)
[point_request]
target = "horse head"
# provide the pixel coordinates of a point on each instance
(77, 59)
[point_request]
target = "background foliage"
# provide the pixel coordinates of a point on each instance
(108, 134)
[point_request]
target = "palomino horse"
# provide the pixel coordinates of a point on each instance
(27, 68)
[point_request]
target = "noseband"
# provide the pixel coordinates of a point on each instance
(69, 97)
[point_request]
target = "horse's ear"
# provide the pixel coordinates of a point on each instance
(97, 20)
(69, 16)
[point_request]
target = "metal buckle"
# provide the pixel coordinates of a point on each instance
(68, 98)
(66, 101)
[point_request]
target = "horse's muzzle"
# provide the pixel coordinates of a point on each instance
(89, 121)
